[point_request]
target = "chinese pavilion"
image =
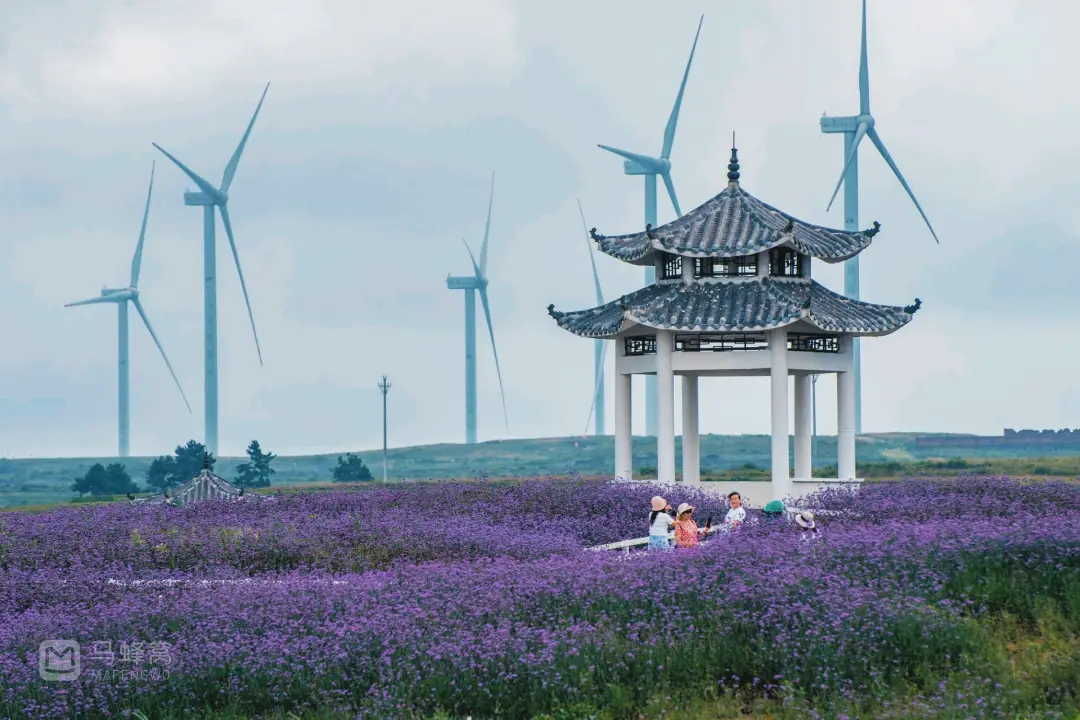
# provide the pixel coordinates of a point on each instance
(734, 297)
(204, 486)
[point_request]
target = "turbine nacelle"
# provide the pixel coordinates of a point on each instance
(839, 124)
(202, 199)
(655, 166)
(120, 295)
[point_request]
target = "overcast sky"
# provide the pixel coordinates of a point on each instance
(371, 160)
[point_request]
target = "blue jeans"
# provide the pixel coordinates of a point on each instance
(659, 542)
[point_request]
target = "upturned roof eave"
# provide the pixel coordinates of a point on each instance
(603, 325)
(639, 248)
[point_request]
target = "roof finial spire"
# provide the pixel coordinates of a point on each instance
(733, 164)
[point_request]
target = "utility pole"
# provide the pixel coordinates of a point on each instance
(813, 405)
(385, 387)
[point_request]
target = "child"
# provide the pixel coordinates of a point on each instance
(686, 530)
(660, 523)
(737, 514)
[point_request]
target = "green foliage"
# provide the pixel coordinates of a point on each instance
(101, 480)
(36, 481)
(257, 471)
(185, 463)
(351, 469)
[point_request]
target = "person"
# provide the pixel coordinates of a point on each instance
(686, 529)
(773, 512)
(807, 526)
(737, 514)
(660, 523)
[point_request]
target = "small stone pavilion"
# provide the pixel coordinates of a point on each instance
(734, 297)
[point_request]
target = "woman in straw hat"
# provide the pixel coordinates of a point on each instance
(686, 530)
(805, 521)
(660, 523)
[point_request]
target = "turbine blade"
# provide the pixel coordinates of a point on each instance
(860, 131)
(203, 185)
(598, 382)
(150, 329)
(240, 271)
(673, 120)
(671, 192)
(476, 268)
(876, 139)
(864, 71)
(487, 229)
(230, 169)
(92, 301)
(136, 262)
(592, 257)
(644, 160)
(495, 352)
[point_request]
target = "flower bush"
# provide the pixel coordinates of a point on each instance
(472, 599)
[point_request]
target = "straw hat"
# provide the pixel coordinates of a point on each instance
(684, 507)
(805, 519)
(658, 503)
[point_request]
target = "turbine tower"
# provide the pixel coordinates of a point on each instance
(600, 346)
(472, 284)
(210, 198)
(651, 167)
(854, 129)
(121, 298)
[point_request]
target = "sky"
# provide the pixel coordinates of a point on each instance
(371, 161)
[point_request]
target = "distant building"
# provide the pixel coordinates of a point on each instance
(1048, 439)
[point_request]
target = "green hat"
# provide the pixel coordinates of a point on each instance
(774, 507)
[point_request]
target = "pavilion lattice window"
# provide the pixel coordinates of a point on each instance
(725, 267)
(720, 342)
(785, 262)
(813, 342)
(672, 266)
(640, 345)
(744, 266)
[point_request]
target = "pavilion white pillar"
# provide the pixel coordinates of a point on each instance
(691, 439)
(778, 375)
(845, 413)
(665, 396)
(624, 455)
(803, 426)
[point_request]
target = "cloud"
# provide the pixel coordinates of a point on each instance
(108, 58)
(372, 157)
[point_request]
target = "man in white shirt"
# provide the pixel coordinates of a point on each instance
(737, 514)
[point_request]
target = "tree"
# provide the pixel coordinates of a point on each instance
(351, 469)
(161, 473)
(185, 463)
(101, 480)
(257, 472)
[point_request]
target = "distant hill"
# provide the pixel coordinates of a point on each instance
(45, 480)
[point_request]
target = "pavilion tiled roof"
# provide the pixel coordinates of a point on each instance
(736, 224)
(750, 304)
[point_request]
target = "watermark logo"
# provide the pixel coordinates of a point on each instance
(58, 660)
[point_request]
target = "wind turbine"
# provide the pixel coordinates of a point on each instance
(651, 167)
(472, 284)
(121, 298)
(600, 347)
(855, 128)
(210, 198)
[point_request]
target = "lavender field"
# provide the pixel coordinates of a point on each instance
(920, 598)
